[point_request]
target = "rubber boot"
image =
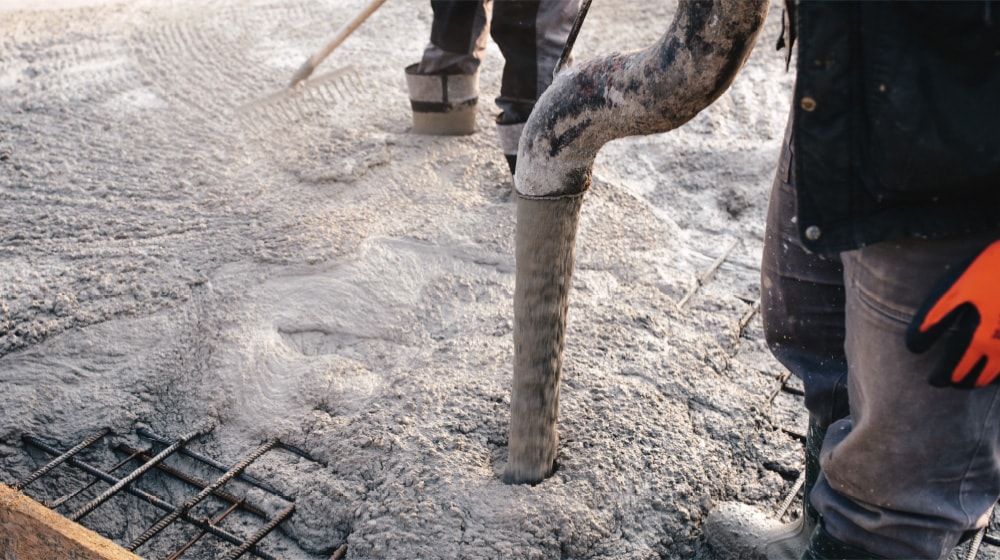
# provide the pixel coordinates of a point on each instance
(443, 104)
(510, 136)
(737, 530)
(545, 242)
(822, 546)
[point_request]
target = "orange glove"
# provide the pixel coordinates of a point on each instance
(969, 299)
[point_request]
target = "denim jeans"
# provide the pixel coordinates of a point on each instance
(911, 468)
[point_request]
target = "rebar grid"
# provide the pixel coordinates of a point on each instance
(148, 434)
(132, 477)
(61, 459)
(186, 506)
(147, 462)
(139, 455)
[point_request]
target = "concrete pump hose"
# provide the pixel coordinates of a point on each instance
(645, 92)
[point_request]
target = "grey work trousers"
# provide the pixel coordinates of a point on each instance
(531, 35)
(907, 469)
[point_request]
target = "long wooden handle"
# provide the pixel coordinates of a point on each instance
(345, 31)
(342, 34)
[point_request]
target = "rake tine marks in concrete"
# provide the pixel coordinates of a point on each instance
(154, 60)
(301, 102)
(298, 108)
(283, 114)
(185, 66)
(205, 63)
(87, 66)
(251, 123)
(294, 107)
(316, 97)
(276, 12)
(221, 68)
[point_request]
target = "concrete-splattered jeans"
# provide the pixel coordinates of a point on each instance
(907, 469)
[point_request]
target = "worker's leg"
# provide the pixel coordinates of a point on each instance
(802, 308)
(444, 85)
(914, 467)
(531, 35)
(458, 37)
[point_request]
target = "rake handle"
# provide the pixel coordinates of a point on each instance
(307, 68)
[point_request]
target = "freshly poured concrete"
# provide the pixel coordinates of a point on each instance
(184, 246)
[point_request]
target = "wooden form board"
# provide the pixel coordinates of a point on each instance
(30, 531)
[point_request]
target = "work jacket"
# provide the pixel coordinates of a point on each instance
(896, 120)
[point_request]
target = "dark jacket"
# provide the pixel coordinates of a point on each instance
(896, 121)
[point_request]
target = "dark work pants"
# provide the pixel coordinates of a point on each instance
(912, 467)
(802, 304)
(531, 35)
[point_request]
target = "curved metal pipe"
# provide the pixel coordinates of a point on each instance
(645, 92)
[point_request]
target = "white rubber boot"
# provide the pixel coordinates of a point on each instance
(738, 531)
(443, 104)
(741, 532)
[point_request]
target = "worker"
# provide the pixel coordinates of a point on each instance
(444, 85)
(881, 282)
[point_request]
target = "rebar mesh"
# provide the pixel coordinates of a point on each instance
(100, 484)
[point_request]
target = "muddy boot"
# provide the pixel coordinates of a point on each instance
(510, 135)
(822, 546)
(443, 104)
(737, 530)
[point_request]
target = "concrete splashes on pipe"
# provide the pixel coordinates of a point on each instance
(645, 92)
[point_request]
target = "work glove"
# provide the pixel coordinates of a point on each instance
(968, 299)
